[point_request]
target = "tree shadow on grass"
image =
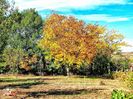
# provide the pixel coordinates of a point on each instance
(21, 85)
(95, 77)
(38, 94)
(28, 79)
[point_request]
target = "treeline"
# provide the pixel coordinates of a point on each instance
(59, 45)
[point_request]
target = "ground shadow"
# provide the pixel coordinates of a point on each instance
(21, 85)
(38, 94)
(28, 79)
(94, 77)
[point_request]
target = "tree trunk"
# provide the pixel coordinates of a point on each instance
(67, 71)
(42, 65)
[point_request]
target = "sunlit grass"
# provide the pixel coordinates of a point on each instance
(60, 87)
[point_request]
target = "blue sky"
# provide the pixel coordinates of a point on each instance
(115, 14)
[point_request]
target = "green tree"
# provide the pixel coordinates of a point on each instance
(6, 10)
(4, 23)
(19, 30)
(12, 58)
(31, 28)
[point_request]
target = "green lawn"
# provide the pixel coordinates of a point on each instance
(58, 87)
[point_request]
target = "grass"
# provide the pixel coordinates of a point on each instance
(59, 87)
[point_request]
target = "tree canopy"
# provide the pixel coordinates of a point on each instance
(61, 41)
(69, 40)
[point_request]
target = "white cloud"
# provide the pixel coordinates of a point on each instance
(67, 5)
(130, 48)
(102, 17)
(57, 4)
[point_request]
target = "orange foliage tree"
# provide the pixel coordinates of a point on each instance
(27, 61)
(69, 40)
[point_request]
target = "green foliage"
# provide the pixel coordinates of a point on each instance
(82, 70)
(101, 65)
(12, 58)
(118, 94)
(25, 29)
(19, 33)
(31, 26)
(3, 69)
(121, 62)
(5, 23)
(130, 80)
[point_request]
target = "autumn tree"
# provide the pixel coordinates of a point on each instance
(112, 41)
(70, 41)
(103, 63)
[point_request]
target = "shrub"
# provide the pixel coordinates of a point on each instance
(3, 68)
(124, 76)
(12, 58)
(120, 76)
(101, 65)
(130, 81)
(121, 62)
(119, 94)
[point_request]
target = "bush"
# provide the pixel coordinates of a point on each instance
(130, 83)
(120, 76)
(118, 94)
(124, 76)
(121, 63)
(12, 58)
(102, 65)
(3, 69)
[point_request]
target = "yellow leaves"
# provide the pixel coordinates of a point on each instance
(70, 59)
(27, 61)
(33, 59)
(115, 36)
(59, 56)
(25, 66)
(123, 44)
(49, 34)
(70, 40)
(95, 29)
(110, 42)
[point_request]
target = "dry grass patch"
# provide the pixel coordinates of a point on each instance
(59, 87)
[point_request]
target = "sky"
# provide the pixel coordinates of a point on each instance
(114, 14)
